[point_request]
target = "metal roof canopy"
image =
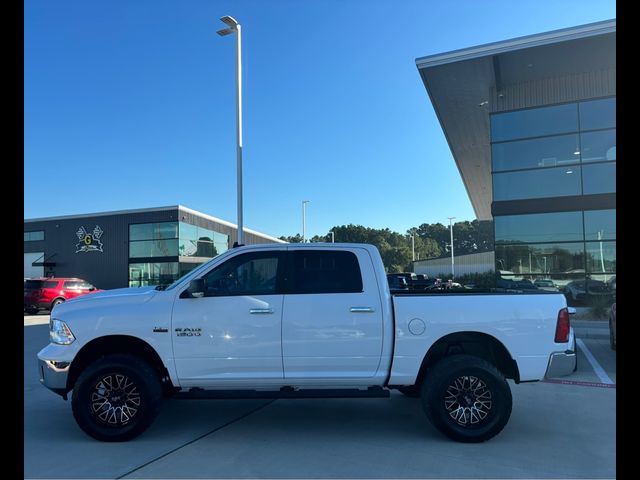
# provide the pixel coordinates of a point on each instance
(464, 86)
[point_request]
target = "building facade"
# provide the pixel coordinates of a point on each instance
(128, 248)
(531, 123)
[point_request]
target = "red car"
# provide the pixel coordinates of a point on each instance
(46, 293)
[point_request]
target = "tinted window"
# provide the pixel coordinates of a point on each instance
(547, 182)
(153, 231)
(539, 227)
(247, 274)
(600, 225)
(33, 236)
(317, 271)
(534, 122)
(201, 242)
(160, 273)
(33, 284)
(540, 258)
(599, 178)
(77, 284)
(153, 248)
(601, 257)
(598, 146)
(598, 114)
(50, 284)
(536, 153)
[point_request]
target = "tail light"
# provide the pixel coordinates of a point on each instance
(563, 326)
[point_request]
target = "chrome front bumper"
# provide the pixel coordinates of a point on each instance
(53, 375)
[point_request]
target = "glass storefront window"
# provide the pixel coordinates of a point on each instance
(536, 153)
(144, 274)
(550, 258)
(600, 225)
(601, 257)
(534, 122)
(598, 146)
(153, 231)
(547, 182)
(201, 242)
(599, 178)
(33, 236)
(539, 227)
(154, 248)
(598, 114)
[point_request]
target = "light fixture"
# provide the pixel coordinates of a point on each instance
(483, 103)
(569, 171)
(577, 152)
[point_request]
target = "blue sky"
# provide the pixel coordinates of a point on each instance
(131, 104)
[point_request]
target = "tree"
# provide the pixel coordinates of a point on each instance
(431, 241)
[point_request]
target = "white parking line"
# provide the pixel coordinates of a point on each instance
(602, 375)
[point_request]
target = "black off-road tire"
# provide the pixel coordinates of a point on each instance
(109, 408)
(412, 391)
(466, 398)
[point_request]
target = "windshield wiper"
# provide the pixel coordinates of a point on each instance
(161, 287)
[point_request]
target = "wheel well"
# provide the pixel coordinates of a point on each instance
(103, 346)
(473, 343)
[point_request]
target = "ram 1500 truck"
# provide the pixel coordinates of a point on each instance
(300, 321)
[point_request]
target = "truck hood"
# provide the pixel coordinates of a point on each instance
(107, 297)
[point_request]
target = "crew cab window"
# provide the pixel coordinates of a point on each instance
(318, 271)
(247, 274)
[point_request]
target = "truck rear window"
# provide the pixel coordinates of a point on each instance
(318, 271)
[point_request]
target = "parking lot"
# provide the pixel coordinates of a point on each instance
(557, 430)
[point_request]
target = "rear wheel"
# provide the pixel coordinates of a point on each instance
(116, 398)
(57, 301)
(466, 398)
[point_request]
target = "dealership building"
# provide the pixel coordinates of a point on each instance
(531, 124)
(133, 248)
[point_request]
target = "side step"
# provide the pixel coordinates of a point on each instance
(285, 392)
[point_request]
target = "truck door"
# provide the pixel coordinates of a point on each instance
(332, 316)
(232, 335)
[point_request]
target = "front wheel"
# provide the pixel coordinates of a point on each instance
(116, 398)
(466, 398)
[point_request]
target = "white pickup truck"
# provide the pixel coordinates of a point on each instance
(310, 320)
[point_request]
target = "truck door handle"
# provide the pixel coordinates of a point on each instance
(261, 311)
(362, 309)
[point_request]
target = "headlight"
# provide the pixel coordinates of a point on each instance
(60, 333)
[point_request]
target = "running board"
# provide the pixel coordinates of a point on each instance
(285, 392)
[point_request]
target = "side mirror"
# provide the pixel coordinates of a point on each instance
(196, 288)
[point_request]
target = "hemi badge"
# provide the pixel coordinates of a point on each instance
(160, 330)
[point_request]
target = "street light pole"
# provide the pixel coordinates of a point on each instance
(452, 260)
(413, 247)
(234, 26)
(333, 237)
(304, 221)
